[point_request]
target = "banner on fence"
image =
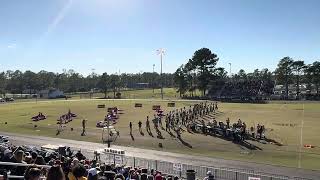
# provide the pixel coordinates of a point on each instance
(138, 105)
(253, 178)
(109, 158)
(172, 104)
(177, 167)
(101, 106)
(156, 107)
(118, 159)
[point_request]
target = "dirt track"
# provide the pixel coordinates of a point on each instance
(89, 147)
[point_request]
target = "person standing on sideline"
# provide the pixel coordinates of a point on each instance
(130, 126)
(140, 124)
(148, 125)
(83, 127)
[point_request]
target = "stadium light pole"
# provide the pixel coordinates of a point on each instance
(153, 79)
(230, 70)
(161, 52)
(92, 90)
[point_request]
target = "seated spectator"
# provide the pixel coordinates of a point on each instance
(80, 156)
(40, 161)
(126, 172)
(34, 156)
(70, 168)
(7, 154)
(144, 175)
(93, 174)
(158, 176)
(151, 175)
(108, 173)
(55, 173)
(27, 158)
(119, 177)
(32, 173)
(79, 172)
(134, 175)
(18, 158)
(74, 163)
(209, 176)
(170, 177)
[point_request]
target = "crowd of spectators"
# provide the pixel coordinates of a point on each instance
(68, 166)
(247, 89)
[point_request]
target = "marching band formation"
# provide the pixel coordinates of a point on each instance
(199, 118)
(193, 119)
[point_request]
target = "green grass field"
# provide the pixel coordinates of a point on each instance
(283, 123)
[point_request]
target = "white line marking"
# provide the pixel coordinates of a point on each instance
(301, 137)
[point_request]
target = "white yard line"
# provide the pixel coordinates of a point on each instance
(301, 137)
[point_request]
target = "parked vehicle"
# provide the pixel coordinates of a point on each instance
(7, 99)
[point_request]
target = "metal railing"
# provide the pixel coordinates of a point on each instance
(23, 165)
(219, 173)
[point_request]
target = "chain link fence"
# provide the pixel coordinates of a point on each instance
(180, 170)
(219, 173)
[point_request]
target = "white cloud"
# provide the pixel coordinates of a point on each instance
(12, 46)
(60, 16)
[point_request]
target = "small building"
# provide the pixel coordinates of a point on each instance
(138, 85)
(51, 94)
(29, 91)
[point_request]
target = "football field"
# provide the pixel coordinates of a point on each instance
(292, 125)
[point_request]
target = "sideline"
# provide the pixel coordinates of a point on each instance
(89, 147)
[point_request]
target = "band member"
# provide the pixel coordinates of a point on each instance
(130, 126)
(228, 123)
(259, 130)
(172, 124)
(167, 126)
(160, 120)
(178, 131)
(61, 121)
(204, 127)
(140, 124)
(252, 131)
(239, 123)
(148, 125)
(243, 133)
(156, 122)
(83, 127)
(59, 126)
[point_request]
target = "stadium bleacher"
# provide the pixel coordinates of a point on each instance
(243, 90)
(32, 163)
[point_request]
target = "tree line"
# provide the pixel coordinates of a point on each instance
(17, 82)
(200, 72)
(291, 71)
